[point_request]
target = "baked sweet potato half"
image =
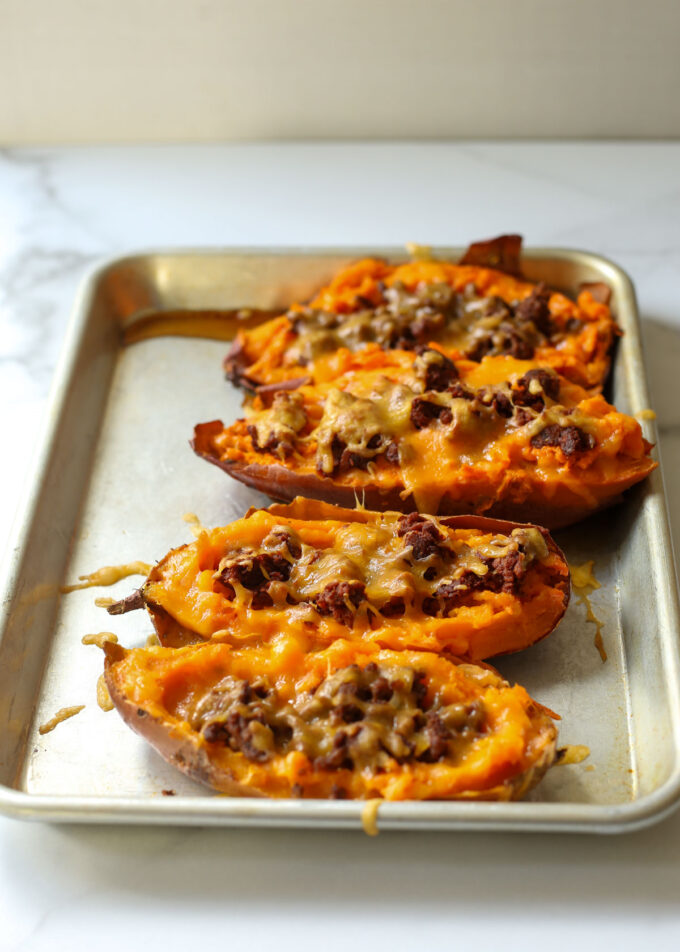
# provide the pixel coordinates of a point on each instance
(503, 437)
(471, 309)
(471, 586)
(343, 722)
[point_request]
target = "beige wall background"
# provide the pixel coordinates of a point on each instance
(200, 70)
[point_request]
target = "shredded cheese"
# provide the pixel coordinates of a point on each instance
(103, 696)
(195, 524)
(369, 817)
(99, 639)
(108, 575)
(419, 252)
(584, 583)
(572, 754)
(62, 715)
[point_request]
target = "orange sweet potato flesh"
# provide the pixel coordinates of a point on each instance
(192, 594)
(483, 463)
(176, 700)
(578, 342)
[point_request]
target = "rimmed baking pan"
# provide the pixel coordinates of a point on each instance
(114, 478)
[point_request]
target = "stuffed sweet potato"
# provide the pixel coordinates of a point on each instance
(348, 721)
(503, 437)
(471, 309)
(471, 586)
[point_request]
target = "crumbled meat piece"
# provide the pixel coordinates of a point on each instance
(394, 607)
(460, 392)
(531, 389)
(337, 600)
(420, 534)
(338, 757)
(505, 574)
(535, 309)
(254, 570)
(249, 734)
(261, 599)
(570, 439)
(522, 416)
(272, 444)
(438, 737)
(424, 412)
(437, 371)
(392, 452)
(502, 404)
(516, 344)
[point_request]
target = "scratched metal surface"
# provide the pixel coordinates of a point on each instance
(113, 480)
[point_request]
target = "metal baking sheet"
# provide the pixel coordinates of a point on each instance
(115, 476)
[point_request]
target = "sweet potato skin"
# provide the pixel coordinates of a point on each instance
(180, 750)
(188, 751)
(518, 503)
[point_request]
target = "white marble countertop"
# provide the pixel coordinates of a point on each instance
(60, 211)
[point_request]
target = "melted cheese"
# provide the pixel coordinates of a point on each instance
(100, 639)
(108, 575)
(369, 817)
(62, 715)
(584, 583)
(195, 524)
(103, 697)
(572, 754)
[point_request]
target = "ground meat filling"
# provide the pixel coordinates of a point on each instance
(572, 440)
(505, 574)
(409, 564)
(514, 330)
(420, 534)
(398, 318)
(341, 599)
(532, 389)
(435, 370)
(356, 718)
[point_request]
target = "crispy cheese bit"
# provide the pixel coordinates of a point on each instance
(108, 575)
(62, 715)
(572, 754)
(105, 601)
(103, 697)
(419, 252)
(99, 639)
(646, 415)
(195, 524)
(369, 817)
(584, 583)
